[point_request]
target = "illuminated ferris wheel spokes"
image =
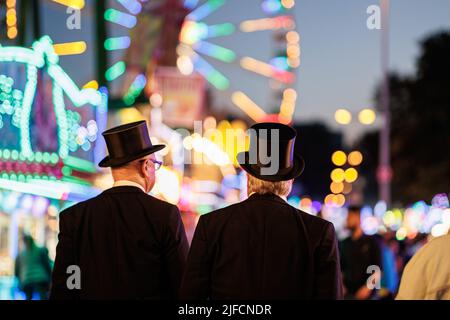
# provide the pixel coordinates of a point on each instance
(193, 46)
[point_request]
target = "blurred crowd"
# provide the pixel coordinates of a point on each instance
(372, 265)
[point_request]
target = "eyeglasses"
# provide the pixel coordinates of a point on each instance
(157, 164)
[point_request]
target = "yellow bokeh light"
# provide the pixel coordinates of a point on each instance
(343, 116)
(293, 51)
(290, 94)
(185, 65)
(11, 20)
(238, 125)
(91, 85)
(12, 33)
(305, 203)
(339, 158)
(187, 143)
(294, 63)
(209, 123)
(351, 175)
(355, 158)
(367, 116)
(292, 37)
(337, 187)
(337, 175)
(339, 200)
(128, 115)
(70, 48)
(156, 100)
(288, 4)
(224, 125)
(329, 199)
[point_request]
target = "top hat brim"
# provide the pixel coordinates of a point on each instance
(115, 162)
(294, 172)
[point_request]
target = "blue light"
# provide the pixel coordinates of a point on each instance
(280, 63)
(190, 4)
(271, 6)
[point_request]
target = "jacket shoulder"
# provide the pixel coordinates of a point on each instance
(221, 212)
(314, 220)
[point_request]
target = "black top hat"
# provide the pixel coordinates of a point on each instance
(126, 143)
(262, 136)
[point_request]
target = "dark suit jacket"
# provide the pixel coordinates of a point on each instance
(128, 245)
(262, 248)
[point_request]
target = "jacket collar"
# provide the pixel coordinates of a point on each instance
(122, 183)
(267, 196)
(123, 189)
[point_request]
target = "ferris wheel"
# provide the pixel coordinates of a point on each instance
(185, 33)
(133, 37)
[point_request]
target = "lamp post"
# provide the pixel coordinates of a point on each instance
(384, 172)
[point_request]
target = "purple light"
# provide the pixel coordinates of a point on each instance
(440, 201)
(271, 6)
(40, 206)
(316, 206)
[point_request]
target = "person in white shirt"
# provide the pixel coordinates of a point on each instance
(427, 274)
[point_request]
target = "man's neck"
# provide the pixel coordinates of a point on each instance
(130, 183)
(282, 197)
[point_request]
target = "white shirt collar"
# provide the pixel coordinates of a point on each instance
(122, 183)
(282, 197)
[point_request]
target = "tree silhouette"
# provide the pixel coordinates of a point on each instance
(420, 130)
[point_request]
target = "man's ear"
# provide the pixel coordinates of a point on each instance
(144, 168)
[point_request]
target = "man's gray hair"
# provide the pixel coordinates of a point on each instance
(280, 188)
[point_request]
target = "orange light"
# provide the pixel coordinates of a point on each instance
(288, 4)
(339, 200)
(290, 94)
(355, 158)
(11, 12)
(292, 37)
(287, 109)
(12, 33)
(247, 105)
(337, 187)
(329, 199)
(294, 63)
(293, 51)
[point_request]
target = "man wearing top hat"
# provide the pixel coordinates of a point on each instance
(124, 243)
(263, 248)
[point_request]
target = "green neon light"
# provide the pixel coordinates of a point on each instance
(20, 103)
(48, 188)
(117, 43)
(115, 71)
(135, 90)
(75, 180)
(220, 30)
(79, 164)
(215, 51)
(66, 171)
